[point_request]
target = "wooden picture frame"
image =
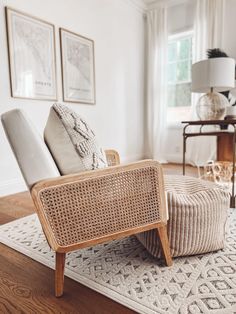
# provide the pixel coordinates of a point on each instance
(78, 68)
(32, 58)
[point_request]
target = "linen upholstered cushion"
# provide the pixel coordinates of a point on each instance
(71, 142)
(32, 155)
(197, 217)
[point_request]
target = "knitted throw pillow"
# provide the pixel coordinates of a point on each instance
(72, 142)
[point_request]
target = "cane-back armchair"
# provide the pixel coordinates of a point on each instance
(91, 207)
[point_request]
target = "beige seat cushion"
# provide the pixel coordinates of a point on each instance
(197, 217)
(71, 142)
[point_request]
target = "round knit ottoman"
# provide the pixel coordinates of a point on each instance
(197, 217)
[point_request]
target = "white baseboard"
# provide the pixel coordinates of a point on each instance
(125, 159)
(175, 158)
(170, 158)
(12, 186)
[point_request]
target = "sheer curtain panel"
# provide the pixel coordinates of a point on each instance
(208, 34)
(156, 82)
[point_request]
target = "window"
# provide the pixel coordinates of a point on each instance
(179, 76)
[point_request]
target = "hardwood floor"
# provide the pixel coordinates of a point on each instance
(27, 286)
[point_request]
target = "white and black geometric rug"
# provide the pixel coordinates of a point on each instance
(123, 271)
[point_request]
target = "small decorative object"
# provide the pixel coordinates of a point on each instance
(212, 76)
(207, 171)
(31, 46)
(222, 171)
(77, 53)
(219, 172)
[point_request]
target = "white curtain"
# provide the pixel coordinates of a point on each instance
(156, 82)
(208, 27)
(208, 34)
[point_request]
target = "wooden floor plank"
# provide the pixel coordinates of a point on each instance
(27, 286)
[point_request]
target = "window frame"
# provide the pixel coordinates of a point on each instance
(175, 37)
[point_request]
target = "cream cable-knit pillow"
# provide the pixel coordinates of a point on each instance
(72, 142)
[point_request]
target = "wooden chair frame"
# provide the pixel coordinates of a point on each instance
(82, 210)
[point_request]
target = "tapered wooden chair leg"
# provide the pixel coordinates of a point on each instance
(162, 233)
(59, 273)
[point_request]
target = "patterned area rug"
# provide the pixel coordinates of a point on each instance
(123, 270)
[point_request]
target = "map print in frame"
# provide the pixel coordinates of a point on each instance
(77, 58)
(31, 47)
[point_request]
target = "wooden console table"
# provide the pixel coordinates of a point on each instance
(219, 133)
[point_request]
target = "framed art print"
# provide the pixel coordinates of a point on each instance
(77, 59)
(31, 47)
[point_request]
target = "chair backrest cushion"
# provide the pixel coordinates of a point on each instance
(71, 142)
(32, 155)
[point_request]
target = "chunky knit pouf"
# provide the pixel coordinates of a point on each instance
(197, 217)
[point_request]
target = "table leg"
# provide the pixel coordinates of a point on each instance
(232, 199)
(184, 146)
(184, 151)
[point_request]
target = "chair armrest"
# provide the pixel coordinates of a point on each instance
(94, 206)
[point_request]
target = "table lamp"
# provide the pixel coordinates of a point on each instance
(212, 76)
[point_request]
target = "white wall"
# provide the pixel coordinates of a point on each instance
(180, 17)
(174, 145)
(117, 28)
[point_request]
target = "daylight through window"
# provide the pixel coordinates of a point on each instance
(179, 76)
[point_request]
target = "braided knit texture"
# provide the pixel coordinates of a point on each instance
(82, 137)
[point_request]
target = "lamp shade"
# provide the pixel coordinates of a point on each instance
(216, 73)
